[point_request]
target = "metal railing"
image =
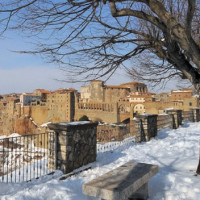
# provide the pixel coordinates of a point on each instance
(110, 146)
(23, 158)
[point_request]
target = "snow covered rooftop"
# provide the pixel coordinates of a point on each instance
(74, 123)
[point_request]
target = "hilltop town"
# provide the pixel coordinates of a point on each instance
(28, 112)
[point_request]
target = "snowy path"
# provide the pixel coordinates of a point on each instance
(175, 151)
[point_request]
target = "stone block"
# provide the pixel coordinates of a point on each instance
(62, 140)
(62, 155)
(122, 182)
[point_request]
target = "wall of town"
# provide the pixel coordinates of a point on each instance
(97, 111)
(114, 94)
(39, 114)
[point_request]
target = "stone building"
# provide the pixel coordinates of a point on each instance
(36, 108)
(110, 103)
(129, 99)
(136, 87)
(164, 97)
(42, 93)
(181, 94)
(97, 91)
(61, 105)
(27, 98)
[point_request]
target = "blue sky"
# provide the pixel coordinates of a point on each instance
(24, 73)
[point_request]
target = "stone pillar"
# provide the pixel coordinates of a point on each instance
(177, 117)
(146, 127)
(132, 127)
(76, 144)
(196, 114)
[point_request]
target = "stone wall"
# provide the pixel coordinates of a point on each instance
(39, 114)
(146, 127)
(164, 121)
(105, 112)
(75, 146)
(196, 113)
(188, 116)
(133, 127)
(111, 133)
(177, 117)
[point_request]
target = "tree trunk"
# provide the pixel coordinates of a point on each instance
(198, 168)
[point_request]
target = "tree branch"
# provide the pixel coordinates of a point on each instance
(189, 17)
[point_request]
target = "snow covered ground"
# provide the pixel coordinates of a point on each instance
(175, 151)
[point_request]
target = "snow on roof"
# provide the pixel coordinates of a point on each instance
(169, 108)
(74, 123)
(45, 124)
(181, 91)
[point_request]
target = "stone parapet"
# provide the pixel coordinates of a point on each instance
(146, 127)
(112, 132)
(188, 116)
(133, 127)
(75, 144)
(196, 114)
(177, 117)
(164, 121)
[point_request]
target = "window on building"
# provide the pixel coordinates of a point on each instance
(190, 104)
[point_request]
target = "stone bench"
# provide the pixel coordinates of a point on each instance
(127, 182)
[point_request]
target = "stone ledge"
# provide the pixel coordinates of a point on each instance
(71, 125)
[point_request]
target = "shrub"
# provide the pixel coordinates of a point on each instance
(84, 118)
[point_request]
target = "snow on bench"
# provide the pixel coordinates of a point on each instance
(129, 181)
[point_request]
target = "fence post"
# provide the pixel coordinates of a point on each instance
(177, 117)
(76, 144)
(56, 150)
(52, 149)
(146, 127)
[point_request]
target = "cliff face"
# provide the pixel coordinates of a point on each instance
(24, 125)
(17, 119)
(21, 125)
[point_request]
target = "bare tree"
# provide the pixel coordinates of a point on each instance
(95, 37)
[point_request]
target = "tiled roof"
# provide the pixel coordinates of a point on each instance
(44, 91)
(116, 86)
(132, 83)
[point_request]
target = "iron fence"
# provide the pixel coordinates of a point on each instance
(23, 158)
(110, 146)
